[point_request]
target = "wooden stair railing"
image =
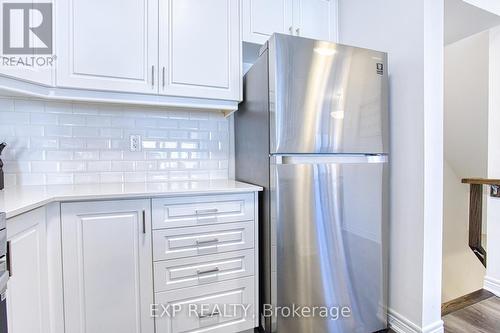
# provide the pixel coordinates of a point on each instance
(476, 213)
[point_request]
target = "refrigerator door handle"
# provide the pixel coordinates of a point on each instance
(330, 159)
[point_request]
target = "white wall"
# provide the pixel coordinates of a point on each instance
(75, 143)
(463, 20)
(466, 156)
(492, 280)
(492, 6)
(412, 33)
(466, 105)
(463, 273)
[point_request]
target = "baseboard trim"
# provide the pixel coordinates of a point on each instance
(492, 285)
(400, 324)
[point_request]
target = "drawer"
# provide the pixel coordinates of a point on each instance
(211, 308)
(195, 241)
(195, 211)
(195, 271)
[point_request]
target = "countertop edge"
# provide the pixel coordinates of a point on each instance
(127, 196)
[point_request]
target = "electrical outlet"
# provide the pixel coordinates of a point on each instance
(135, 143)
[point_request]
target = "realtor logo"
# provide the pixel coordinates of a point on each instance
(27, 28)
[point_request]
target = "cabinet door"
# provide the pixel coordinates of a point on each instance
(108, 45)
(316, 19)
(28, 295)
(38, 68)
(107, 266)
(200, 49)
(262, 18)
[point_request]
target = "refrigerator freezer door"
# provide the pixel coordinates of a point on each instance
(326, 98)
(329, 223)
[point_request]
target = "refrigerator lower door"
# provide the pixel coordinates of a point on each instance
(328, 233)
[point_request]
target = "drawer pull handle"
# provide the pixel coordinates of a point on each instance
(206, 211)
(214, 270)
(143, 221)
(209, 241)
(210, 315)
(8, 259)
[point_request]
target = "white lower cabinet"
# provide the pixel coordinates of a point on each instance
(211, 239)
(202, 270)
(206, 263)
(28, 288)
(107, 266)
(226, 307)
(117, 274)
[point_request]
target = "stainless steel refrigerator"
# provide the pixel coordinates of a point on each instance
(313, 131)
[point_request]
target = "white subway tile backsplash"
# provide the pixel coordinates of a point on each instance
(111, 177)
(98, 144)
(21, 105)
(134, 177)
(111, 155)
(167, 123)
(43, 118)
(59, 155)
(58, 131)
(28, 130)
(8, 117)
(59, 178)
(25, 179)
(167, 144)
(145, 165)
(111, 133)
(86, 109)
(86, 178)
(6, 104)
(85, 132)
(55, 107)
(72, 143)
(122, 166)
(86, 155)
(71, 120)
(98, 121)
(122, 122)
(44, 166)
(157, 134)
(99, 166)
(73, 166)
(17, 166)
(79, 143)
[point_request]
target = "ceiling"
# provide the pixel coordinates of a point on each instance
(462, 20)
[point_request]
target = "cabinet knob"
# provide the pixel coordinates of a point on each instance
(290, 30)
(297, 31)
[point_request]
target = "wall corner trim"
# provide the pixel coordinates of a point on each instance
(492, 285)
(401, 324)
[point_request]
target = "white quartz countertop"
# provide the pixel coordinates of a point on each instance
(18, 200)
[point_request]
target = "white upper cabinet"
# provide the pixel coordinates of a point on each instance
(200, 51)
(108, 45)
(315, 19)
(262, 18)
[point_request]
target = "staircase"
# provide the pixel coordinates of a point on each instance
(476, 213)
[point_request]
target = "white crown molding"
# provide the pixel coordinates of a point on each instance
(17, 87)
